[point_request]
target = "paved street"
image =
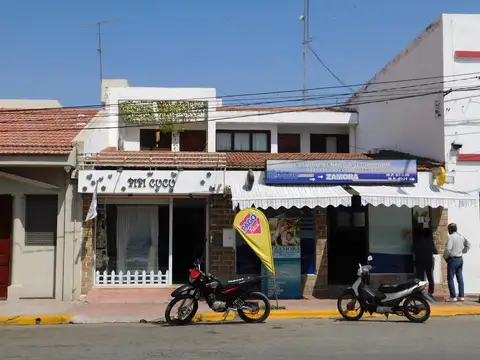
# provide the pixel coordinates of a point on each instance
(439, 339)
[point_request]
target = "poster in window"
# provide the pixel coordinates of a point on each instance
(285, 237)
(285, 231)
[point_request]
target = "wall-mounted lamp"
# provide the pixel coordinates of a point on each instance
(455, 146)
(250, 179)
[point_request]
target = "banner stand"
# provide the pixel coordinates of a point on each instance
(275, 287)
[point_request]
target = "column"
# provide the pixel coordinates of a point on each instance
(207, 235)
(18, 241)
(352, 140)
(211, 135)
(305, 143)
(170, 241)
(69, 242)
(274, 140)
(175, 141)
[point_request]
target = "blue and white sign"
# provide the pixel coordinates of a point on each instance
(341, 171)
(287, 283)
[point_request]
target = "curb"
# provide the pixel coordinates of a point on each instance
(329, 314)
(60, 319)
(55, 319)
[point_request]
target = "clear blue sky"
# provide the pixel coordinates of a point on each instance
(236, 46)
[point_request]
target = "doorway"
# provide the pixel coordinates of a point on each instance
(347, 241)
(6, 206)
(189, 229)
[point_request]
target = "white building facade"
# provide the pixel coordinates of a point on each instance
(189, 184)
(425, 102)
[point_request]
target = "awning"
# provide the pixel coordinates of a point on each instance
(421, 195)
(287, 196)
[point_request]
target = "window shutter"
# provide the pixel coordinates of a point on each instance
(288, 143)
(41, 220)
(343, 144)
(318, 143)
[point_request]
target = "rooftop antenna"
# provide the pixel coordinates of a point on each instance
(98, 25)
(306, 40)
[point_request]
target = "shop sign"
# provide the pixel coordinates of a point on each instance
(150, 182)
(285, 236)
(341, 172)
(139, 183)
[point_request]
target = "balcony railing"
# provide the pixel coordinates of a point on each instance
(153, 159)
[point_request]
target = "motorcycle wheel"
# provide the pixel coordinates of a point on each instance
(189, 316)
(344, 312)
(256, 296)
(409, 307)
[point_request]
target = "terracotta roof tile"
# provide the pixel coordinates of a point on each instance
(282, 109)
(234, 160)
(41, 131)
(239, 160)
(423, 163)
(242, 160)
(186, 160)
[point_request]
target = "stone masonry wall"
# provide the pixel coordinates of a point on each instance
(311, 284)
(87, 248)
(439, 219)
(222, 260)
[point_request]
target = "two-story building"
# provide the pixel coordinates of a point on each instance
(425, 102)
(165, 198)
(40, 223)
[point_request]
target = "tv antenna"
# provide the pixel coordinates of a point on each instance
(99, 25)
(305, 17)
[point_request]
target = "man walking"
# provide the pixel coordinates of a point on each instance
(424, 249)
(456, 246)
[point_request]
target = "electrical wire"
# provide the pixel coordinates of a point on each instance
(328, 69)
(94, 106)
(296, 110)
(394, 91)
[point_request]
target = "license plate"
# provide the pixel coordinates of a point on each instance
(428, 297)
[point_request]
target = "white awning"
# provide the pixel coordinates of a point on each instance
(287, 196)
(415, 195)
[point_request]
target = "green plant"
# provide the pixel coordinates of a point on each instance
(169, 116)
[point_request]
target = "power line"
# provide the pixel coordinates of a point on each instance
(328, 69)
(378, 95)
(305, 109)
(93, 106)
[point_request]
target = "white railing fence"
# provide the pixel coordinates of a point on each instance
(131, 278)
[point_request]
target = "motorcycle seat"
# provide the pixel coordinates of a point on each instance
(394, 288)
(236, 282)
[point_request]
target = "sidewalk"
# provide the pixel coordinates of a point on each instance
(51, 312)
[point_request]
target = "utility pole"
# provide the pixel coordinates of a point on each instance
(306, 40)
(98, 25)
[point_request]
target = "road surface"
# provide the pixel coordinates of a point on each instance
(439, 339)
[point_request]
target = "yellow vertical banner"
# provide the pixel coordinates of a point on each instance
(254, 228)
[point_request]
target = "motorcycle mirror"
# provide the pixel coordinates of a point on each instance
(370, 258)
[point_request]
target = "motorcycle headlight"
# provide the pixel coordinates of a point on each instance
(194, 274)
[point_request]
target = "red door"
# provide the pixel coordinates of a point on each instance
(5, 243)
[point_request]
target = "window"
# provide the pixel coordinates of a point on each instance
(40, 220)
(243, 141)
(321, 143)
(249, 264)
(289, 143)
(193, 140)
(152, 139)
(390, 239)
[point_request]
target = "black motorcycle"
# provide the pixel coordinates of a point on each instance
(408, 299)
(238, 295)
